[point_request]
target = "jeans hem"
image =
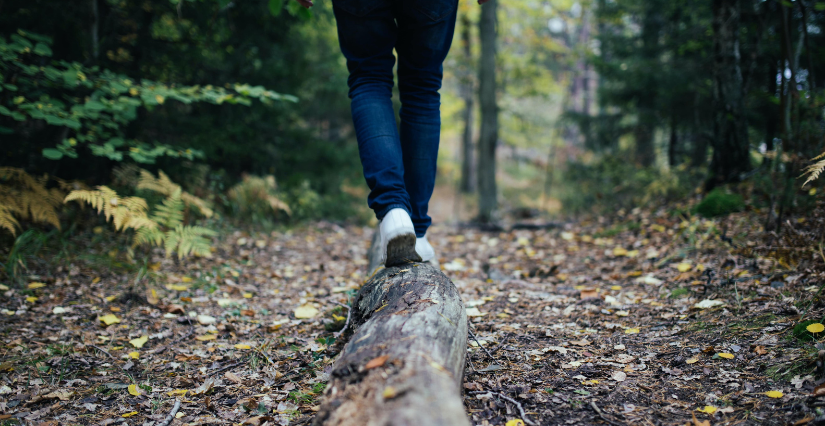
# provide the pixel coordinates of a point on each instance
(379, 214)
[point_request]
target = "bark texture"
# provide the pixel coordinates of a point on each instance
(730, 137)
(412, 315)
(488, 140)
(467, 182)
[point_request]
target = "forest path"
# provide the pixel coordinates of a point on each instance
(590, 324)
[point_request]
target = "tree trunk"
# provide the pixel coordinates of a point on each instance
(770, 113)
(731, 157)
(404, 363)
(488, 193)
(646, 126)
(467, 181)
(673, 145)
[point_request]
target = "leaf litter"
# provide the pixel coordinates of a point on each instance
(657, 323)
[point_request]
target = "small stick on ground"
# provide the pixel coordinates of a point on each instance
(102, 350)
(171, 415)
(510, 400)
(346, 324)
(601, 414)
(479, 343)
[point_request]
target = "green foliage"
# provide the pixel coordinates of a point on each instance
(801, 333)
(720, 203)
(93, 106)
(25, 246)
(257, 198)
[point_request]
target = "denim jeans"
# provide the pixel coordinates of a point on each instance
(399, 166)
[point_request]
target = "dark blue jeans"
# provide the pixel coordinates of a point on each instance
(399, 166)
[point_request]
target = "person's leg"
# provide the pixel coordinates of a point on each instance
(425, 32)
(367, 34)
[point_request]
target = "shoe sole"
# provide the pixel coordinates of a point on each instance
(401, 249)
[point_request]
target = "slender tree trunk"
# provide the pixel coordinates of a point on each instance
(672, 149)
(488, 197)
(731, 156)
(645, 128)
(770, 113)
(699, 152)
(467, 181)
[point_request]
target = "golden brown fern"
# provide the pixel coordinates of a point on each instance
(814, 170)
(163, 185)
(254, 190)
(27, 198)
(125, 213)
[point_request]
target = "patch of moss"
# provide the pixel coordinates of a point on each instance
(681, 291)
(720, 203)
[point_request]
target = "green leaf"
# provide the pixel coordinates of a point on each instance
(275, 7)
(6, 130)
(819, 6)
(52, 154)
(42, 50)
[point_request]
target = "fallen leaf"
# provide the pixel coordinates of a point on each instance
(389, 392)
(683, 267)
(631, 330)
(129, 414)
(177, 287)
(619, 251)
(62, 395)
(582, 342)
(760, 350)
(725, 355)
(139, 342)
(515, 422)
(774, 394)
(31, 299)
(233, 377)
(242, 346)
(708, 409)
(377, 362)
(707, 303)
(649, 279)
(619, 376)
(35, 285)
(133, 390)
(177, 392)
(815, 327)
(134, 355)
(699, 423)
(589, 293)
(691, 360)
(206, 337)
(109, 319)
(306, 311)
(206, 319)
(474, 312)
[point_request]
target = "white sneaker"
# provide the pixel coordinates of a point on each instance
(397, 238)
(424, 249)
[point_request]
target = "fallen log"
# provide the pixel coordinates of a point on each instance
(404, 363)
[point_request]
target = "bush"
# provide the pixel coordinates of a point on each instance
(720, 203)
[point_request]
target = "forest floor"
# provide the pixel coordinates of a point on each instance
(641, 318)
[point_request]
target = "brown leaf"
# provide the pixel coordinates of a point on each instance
(248, 313)
(699, 423)
(819, 390)
(582, 342)
(175, 309)
(589, 293)
(233, 377)
(377, 362)
(760, 350)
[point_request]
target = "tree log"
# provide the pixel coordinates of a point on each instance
(404, 363)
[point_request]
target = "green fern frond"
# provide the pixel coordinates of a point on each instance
(170, 212)
(148, 235)
(186, 240)
(163, 185)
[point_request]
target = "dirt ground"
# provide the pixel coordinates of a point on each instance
(649, 318)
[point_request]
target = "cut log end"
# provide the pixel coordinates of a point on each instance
(404, 363)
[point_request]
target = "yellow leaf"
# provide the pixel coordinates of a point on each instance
(160, 99)
(109, 319)
(725, 355)
(110, 298)
(247, 295)
(389, 392)
(815, 328)
(306, 311)
(616, 287)
(177, 392)
(134, 354)
(186, 279)
(561, 277)
(36, 285)
(133, 91)
(96, 280)
(709, 409)
(242, 346)
(177, 287)
(774, 394)
(683, 267)
(116, 348)
(31, 299)
(127, 415)
(619, 251)
(338, 317)
(631, 330)
(206, 337)
(139, 342)
(133, 390)
(693, 360)
(515, 422)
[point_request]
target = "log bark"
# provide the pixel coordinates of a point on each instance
(404, 363)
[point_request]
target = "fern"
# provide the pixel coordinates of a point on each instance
(125, 213)
(186, 240)
(170, 212)
(256, 195)
(25, 197)
(814, 170)
(163, 185)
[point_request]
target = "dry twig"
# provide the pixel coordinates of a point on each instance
(171, 415)
(512, 401)
(346, 324)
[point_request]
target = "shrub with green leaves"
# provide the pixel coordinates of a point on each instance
(720, 203)
(93, 106)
